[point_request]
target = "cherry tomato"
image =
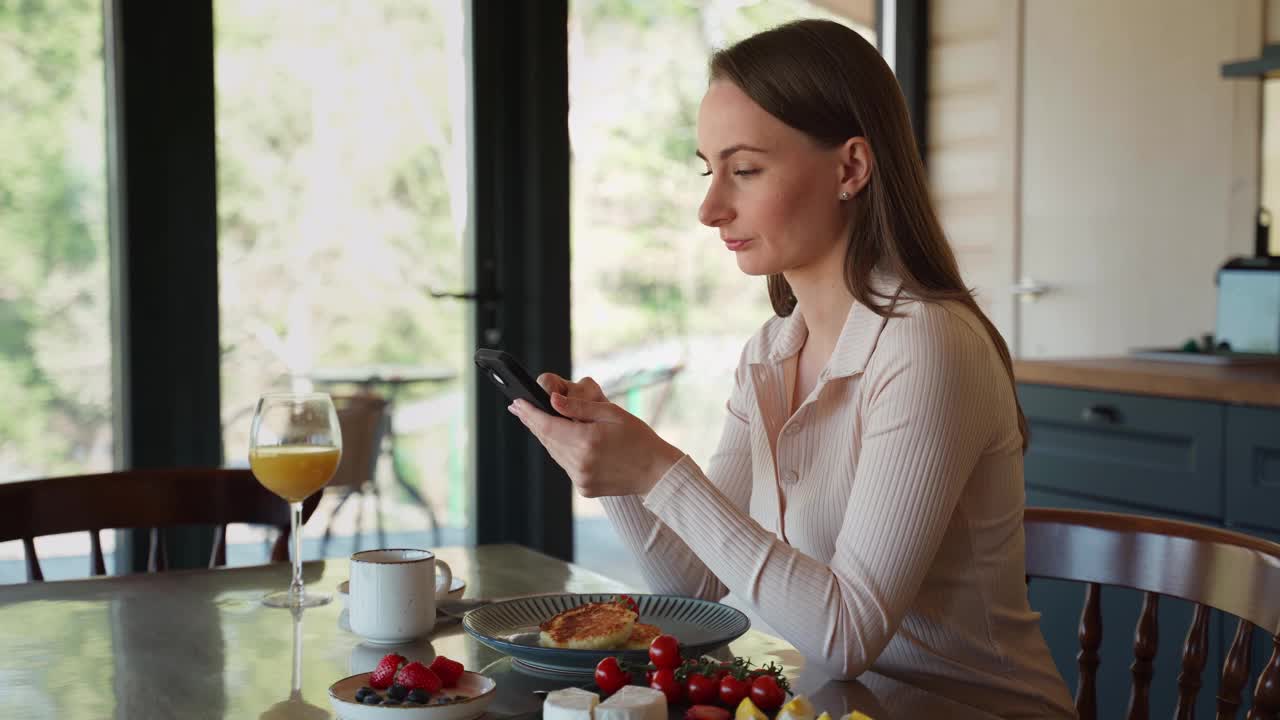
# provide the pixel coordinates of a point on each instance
(706, 712)
(664, 652)
(630, 603)
(664, 679)
(732, 690)
(766, 694)
(610, 677)
(700, 689)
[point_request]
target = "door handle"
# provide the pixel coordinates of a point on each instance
(483, 297)
(1028, 289)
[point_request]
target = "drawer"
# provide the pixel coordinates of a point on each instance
(1253, 467)
(1146, 452)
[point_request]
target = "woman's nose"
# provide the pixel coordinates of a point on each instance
(714, 211)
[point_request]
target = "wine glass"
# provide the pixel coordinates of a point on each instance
(294, 448)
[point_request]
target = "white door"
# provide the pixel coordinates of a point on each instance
(1128, 170)
(1134, 164)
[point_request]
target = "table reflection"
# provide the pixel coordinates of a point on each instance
(295, 706)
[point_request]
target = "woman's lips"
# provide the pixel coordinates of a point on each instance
(736, 245)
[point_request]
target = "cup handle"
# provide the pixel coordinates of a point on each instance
(442, 586)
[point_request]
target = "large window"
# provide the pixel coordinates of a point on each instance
(660, 309)
(342, 203)
(55, 339)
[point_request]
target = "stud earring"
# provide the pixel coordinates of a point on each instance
(845, 195)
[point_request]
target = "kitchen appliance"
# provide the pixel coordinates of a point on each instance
(1248, 319)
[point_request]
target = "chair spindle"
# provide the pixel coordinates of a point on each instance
(1195, 652)
(98, 565)
(157, 557)
(1144, 651)
(1235, 671)
(1090, 634)
(219, 556)
(34, 574)
(1266, 695)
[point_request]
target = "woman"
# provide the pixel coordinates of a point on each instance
(866, 497)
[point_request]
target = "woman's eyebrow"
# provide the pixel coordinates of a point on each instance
(725, 153)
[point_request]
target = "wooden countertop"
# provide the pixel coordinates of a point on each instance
(1257, 384)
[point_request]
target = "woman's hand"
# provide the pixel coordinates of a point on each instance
(604, 449)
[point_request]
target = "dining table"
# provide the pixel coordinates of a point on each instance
(199, 644)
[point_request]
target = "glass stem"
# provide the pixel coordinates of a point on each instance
(297, 653)
(295, 528)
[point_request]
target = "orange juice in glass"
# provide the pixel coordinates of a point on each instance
(295, 445)
(294, 471)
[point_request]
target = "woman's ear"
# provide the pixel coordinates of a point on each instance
(856, 162)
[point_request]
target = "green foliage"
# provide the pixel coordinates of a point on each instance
(342, 198)
(54, 365)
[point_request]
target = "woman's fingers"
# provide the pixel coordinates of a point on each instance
(553, 383)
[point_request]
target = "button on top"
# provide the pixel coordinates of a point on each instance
(793, 428)
(791, 478)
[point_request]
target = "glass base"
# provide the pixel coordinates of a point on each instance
(286, 599)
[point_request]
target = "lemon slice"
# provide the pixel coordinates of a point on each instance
(855, 715)
(747, 710)
(798, 709)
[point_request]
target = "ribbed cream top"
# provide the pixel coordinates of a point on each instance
(888, 534)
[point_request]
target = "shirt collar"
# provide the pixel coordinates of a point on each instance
(857, 339)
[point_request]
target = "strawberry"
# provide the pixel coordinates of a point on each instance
(447, 670)
(383, 675)
(417, 676)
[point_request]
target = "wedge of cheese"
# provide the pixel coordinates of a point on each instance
(633, 702)
(569, 704)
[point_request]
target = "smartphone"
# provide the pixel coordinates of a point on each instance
(505, 371)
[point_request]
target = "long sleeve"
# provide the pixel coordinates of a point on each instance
(667, 563)
(926, 396)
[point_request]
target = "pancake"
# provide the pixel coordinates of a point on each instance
(594, 626)
(642, 636)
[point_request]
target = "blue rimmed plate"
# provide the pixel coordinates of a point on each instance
(511, 628)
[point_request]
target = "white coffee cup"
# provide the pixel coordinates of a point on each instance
(394, 593)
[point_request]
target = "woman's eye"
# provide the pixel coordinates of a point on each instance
(705, 173)
(745, 172)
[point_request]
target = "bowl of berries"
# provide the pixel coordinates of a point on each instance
(406, 690)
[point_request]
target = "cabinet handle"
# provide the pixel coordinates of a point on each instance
(1101, 414)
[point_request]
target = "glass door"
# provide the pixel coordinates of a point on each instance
(342, 143)
(55, 299)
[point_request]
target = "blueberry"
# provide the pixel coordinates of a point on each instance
(372, 699)
(398, 692)
(418, 695)
(362, 692)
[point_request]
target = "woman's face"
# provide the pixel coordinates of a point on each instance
(774, 193)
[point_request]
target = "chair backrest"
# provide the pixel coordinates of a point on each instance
(1213, 568)
(142, 499)
(363, 419)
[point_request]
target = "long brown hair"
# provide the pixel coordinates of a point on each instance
(826, 81)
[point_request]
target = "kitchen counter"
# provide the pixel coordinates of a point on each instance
(1257, 384)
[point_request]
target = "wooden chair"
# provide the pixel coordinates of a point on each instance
(363, 419)
(1213, 568)
(142, 499)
